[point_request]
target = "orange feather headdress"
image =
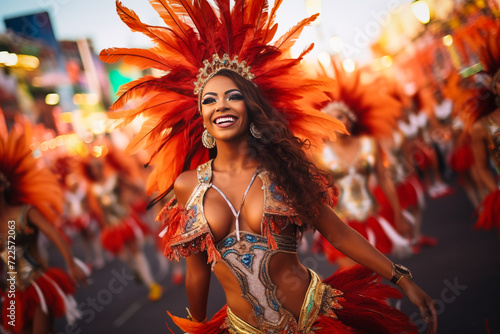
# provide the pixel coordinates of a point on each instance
(473, 103)
(489, 53)
(27, 183)
(374, 110)
(196, 40)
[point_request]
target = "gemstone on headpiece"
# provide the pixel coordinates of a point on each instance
(211, 68)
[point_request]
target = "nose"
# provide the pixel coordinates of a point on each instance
(222, 105)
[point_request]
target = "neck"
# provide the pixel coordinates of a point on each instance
(234, 156)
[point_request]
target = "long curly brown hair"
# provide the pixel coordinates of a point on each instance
(282, 154)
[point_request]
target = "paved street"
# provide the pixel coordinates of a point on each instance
(462, 273)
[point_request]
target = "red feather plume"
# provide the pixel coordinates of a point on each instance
(489, 51)
(29, 184)
(377, 109)
(193, 32)
(472, 100)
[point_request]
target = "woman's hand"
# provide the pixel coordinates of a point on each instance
(402, 225)
(425, 303)
(77, 274)
(356, 247)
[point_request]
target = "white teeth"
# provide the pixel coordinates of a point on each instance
(224, 120)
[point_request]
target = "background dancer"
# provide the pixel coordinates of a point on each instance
(122, 233)
(486, 134)
(355, 159)
(41, 293)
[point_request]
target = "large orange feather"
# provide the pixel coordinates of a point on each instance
(140, 58)
(194, 31)
(288, 40)
(29, 183)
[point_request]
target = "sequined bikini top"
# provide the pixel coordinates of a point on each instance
(355, 201)
(247, 254)
(186, 230)
(493, 130)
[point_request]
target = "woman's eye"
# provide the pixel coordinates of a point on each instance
(208, 100)
(235, 97)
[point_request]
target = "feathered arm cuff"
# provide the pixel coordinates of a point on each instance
(183, 235)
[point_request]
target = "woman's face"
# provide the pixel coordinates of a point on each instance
(223, 109)
(96, 169)
(335, 112)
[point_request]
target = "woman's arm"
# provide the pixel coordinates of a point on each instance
(351, 243)
(354, 246)
(198, 274)
(387, 186)
(37, 219)
(481, 162)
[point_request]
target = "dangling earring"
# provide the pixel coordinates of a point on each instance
(207, 139)
(254, 131)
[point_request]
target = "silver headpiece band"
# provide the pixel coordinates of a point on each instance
(343, 108)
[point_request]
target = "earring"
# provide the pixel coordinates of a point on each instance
(207, 139)
(254, 131)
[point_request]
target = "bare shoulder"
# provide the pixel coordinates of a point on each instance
(478, 131)
(184, 185)
(35, 216)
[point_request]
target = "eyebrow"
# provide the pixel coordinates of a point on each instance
(225, 93)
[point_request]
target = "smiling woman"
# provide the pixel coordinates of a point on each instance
(221, 219)
(241, 212)
(271, 141)
(223, 109)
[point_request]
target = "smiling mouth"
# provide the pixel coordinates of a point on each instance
(225, 120)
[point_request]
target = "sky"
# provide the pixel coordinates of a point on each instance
(357, 22)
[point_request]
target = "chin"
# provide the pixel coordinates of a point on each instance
(228, 137)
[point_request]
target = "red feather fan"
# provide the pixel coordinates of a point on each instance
(376, 109)
(476, 102)
(193, 32)
(29, 184)
(489, 51)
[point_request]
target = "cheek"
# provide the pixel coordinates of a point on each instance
(205, 115)
(243, 110)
